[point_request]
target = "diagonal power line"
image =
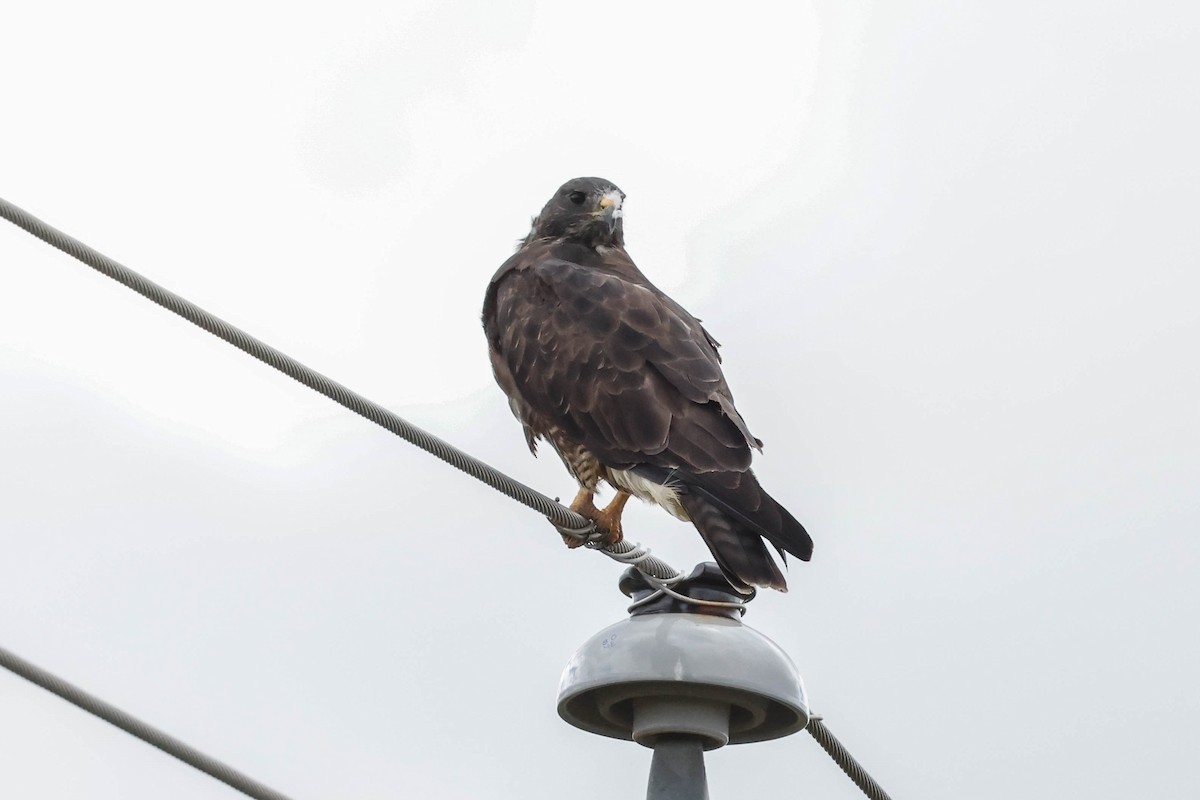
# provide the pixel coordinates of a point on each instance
(142, 730)
(560, 516)
(850, 766)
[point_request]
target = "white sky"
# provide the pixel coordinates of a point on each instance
(951, 250)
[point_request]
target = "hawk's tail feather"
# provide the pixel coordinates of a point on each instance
(738, 549)
(741, 496)
(734, 514)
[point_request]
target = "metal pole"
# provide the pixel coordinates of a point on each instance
(677, 769)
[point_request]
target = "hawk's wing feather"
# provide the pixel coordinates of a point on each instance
(618, 366)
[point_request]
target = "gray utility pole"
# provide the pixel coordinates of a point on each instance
(677, 769)
(682, 677)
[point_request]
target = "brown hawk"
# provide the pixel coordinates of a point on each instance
(627, 387)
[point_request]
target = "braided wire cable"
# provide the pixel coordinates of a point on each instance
(842, 757)
(142, 730)
(560, 516)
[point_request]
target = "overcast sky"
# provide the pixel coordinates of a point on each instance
(951, 250)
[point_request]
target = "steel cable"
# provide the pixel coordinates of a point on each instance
(560, 516)
(841, 756)
(142, 730)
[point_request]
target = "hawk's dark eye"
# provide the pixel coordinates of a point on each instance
(577, 198)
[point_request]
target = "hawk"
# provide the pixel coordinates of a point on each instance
(626, 386)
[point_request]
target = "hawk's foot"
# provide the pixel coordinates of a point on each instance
(608, 520)
(582, 504)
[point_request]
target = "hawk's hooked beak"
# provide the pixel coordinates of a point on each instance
(610, 209)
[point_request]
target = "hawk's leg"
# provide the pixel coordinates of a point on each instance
(608, 520)
(583, 505)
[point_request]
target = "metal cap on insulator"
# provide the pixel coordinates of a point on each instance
(677, 668)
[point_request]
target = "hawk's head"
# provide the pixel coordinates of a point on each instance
(585, 210)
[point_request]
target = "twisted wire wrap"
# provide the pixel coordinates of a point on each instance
(560, 516)
(842, 757)
(142, 730)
